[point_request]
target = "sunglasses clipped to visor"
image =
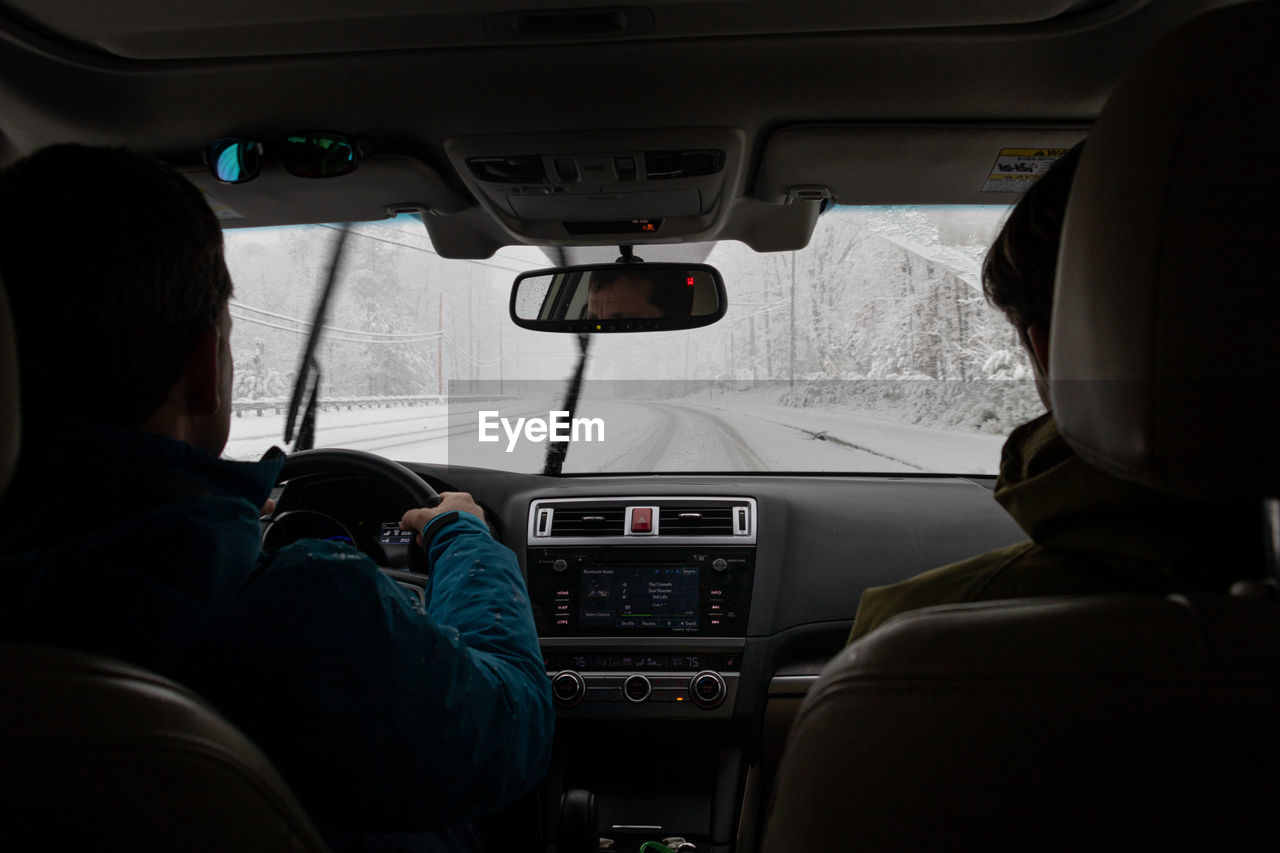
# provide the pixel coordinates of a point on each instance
(306, 154)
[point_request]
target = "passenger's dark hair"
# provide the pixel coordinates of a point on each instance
(114, 264)
(1018, 273)
(667, 290)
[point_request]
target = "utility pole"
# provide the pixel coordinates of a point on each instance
(440, 348)
(791, 365)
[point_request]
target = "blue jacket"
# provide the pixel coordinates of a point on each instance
(380, 718)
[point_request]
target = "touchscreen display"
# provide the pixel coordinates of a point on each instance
(639, 597)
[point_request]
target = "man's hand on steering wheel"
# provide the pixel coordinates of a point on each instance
(416, 519)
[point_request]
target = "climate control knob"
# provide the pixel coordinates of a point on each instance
(568, 688)
(707, 689)
(636, 688)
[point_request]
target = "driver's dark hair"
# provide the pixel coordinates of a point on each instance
(671, 297)
(114, 264)
(1018, 273)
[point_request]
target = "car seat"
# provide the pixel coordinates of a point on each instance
(101, 755)
(1104, 721)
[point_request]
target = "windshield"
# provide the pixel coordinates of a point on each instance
(870, 351)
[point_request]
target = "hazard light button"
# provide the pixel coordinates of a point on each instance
(642, 519)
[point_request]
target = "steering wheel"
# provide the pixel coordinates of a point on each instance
(402, 483)
(356, 462)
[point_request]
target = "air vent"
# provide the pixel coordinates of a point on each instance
(587, 521)
(643, 520)
(696, 521)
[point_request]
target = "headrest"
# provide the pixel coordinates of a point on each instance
(1164, 351)
(8, 392)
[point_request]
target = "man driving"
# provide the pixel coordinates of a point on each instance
(126, 535)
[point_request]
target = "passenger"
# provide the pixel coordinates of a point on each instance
(1090, 532)
(126, 535)
(631, 294)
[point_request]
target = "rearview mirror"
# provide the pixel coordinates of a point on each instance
(635, 297)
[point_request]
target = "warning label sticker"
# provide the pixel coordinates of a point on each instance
(1016, 169)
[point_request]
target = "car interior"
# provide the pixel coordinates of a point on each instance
(744, 723)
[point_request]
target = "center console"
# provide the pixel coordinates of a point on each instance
(642, 603)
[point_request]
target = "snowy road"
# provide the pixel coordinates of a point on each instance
(663, 436)
(743, 431)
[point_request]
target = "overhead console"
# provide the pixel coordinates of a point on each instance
(641, 603)
(605, 187)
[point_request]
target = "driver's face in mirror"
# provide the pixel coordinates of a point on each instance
(620, 297)
(633, 295)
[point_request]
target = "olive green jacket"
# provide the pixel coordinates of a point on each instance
(1090, 533)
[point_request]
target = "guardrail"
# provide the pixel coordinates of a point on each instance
(280, 406)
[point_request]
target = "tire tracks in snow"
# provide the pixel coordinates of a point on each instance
(730, 439)
(823, 435)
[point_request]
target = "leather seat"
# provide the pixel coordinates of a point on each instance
(104, 755)
(1062, 723)
(1118, 721)
(100, 755)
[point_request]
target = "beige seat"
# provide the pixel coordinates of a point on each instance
(99, 755)
(1074, 723)
(1131, 722)
(103, 755)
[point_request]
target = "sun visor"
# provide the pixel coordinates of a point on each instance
(908, 164)
(382, 186)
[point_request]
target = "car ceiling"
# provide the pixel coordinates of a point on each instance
(864, 102)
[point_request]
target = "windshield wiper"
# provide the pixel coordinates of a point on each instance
(558, 449)
(307, 366)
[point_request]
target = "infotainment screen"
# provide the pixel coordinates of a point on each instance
(639, 596)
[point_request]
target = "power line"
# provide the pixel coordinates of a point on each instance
(308, 325)
(302, 332)
(426, 336)
(467, 356)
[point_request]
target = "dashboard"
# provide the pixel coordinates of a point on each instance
(683, 617)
